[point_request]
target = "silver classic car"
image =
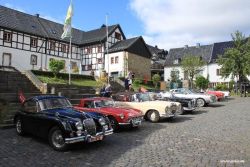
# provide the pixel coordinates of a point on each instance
(202, 99)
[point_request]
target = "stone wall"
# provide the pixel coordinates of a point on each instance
(139, 65)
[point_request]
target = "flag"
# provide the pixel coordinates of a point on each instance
(21, 97)
(67, 23)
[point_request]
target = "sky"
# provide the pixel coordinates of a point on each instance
(165, 23)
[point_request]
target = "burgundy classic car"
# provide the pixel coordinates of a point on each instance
(118, 116)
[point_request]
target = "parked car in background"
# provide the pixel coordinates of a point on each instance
(54, 118)
(219, 95)
(202, 99)
(188, 104)
(152, 110)
(118, 116)
(225, 92)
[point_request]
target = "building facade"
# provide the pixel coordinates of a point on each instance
(30, 42)
(208, 53)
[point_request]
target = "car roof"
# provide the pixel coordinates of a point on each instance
(42, 97)
(96, 98)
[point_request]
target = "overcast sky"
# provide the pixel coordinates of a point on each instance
(175, 23)
(166, 23)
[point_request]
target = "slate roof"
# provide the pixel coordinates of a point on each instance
(209, 53)
(133, 45)
(34, 25)
(204, 51)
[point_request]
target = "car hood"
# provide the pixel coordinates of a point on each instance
(69, 113)
(120, 110)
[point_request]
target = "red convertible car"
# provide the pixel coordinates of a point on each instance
(118, 116)
(219, 95)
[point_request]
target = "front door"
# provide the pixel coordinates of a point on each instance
(6, 61)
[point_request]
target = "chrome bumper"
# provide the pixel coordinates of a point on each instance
(133, 122)
(168, 115)
(85, 138)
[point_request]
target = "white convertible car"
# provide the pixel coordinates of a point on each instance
(202, 99)
(152, 109)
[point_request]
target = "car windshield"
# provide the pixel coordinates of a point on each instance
(141, 97)
(53, 103)
(104, 103)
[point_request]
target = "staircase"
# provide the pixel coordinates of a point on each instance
(11, 81)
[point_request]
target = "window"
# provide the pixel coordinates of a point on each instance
(33, 60)
(99, 49)
(117, 35)
(175, 74)
(7, 36)
(99, 60)
(89, 67)
(177, 61)
(30, 106)
(88, 50)
(52, 45)
(63, 48)
(218, 72)
(33, 42)
(112, 60)
(116, 60)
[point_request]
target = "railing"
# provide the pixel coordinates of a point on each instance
(40, 85)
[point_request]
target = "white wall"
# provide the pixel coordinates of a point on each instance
(119, 67)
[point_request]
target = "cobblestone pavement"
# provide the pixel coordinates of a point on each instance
(217, 135)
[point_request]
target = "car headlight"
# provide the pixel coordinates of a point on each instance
(78, 125)
(173, 107)
(121, 116)
(102, 121)
(167, 109)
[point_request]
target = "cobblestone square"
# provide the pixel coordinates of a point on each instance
(217, 135)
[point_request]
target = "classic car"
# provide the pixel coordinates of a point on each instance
(187, 104)
(53, 118)
(118, 116)
(152, 110)
(219, 95)
(202, 99)
(225, 92)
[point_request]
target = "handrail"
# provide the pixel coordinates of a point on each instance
(33, 78)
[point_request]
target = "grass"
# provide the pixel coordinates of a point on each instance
(77, 82)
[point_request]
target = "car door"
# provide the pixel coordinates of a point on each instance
(29, 116)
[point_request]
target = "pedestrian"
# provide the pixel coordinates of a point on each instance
(108, 91)
(126, 84)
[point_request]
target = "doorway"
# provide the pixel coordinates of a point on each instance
(6, 59)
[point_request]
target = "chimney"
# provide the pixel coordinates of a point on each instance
(198, 45)
(156, 46)
(185, 46)
(37, 15)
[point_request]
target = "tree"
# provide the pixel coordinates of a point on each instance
(192, 65)
(236, 60)
(56, 66)
(156, 78)
(201, 82)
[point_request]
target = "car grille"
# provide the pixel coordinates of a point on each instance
(173, 108)
(90, 126)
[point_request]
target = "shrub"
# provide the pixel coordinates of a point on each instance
(137, 81)
(62, 75)
(201, 82)
(56, 66)
(221, 87)
(156, 78)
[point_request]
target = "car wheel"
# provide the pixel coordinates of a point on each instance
(114, 123)
(201, 102)
(19, 127)
(56, 139)
(153, 116)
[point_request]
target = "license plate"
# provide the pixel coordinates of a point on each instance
(96, 138)
(106, 127)
(136, 122)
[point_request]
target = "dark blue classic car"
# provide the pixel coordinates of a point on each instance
(53, 118)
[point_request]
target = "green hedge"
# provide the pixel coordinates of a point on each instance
(62, 75)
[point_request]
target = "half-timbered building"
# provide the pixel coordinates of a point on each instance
(30, 42)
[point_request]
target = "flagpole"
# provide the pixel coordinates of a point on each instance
(107, 44)
(70, 52)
